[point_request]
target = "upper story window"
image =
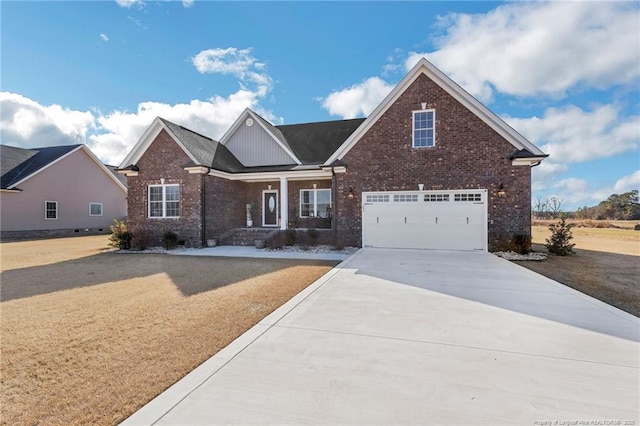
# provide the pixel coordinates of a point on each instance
(315, 203)
(50, 210)
(95, 209)
(164, 201)
(424, 130)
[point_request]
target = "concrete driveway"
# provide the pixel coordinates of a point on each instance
(421, 337)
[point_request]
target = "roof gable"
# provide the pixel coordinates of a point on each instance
(250, 130)
(37, 160)
(452, 88)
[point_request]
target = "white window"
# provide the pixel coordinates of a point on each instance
(95, 209)
(51, 210)
(467, 197)
(377, 198)
(436, 197)
(405, 198)
(424, 128)
(164, 201)
(315, 203)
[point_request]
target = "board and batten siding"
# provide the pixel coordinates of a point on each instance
(253, 146)
(74, 182)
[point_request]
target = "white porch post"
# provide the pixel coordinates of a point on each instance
(284, 204)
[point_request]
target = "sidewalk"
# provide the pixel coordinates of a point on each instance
(249, 251)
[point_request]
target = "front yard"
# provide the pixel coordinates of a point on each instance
(90, 337)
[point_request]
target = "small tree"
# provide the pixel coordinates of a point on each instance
(560, 240)
(120, 237)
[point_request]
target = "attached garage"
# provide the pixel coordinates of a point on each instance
(439, 220)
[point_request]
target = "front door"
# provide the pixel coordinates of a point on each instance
(269, 208)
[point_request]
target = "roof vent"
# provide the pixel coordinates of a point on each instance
(249, 122)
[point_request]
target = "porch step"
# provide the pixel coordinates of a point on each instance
(245, 236)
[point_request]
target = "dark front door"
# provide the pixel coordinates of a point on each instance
(270, 208)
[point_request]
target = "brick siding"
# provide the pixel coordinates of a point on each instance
(467, 154)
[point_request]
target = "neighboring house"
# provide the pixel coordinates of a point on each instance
(55, 191)
(431, 167)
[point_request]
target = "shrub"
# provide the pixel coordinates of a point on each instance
(169, 240)
(313, 235)
(560, 240)
(339, 245)
(141, 238)
(290, 237)
(522, 243)
(277, 241)
(120, 237)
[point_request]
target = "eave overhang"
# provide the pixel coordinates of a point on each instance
(316, 173)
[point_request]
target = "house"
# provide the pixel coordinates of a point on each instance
(57, 191)
(429, 168)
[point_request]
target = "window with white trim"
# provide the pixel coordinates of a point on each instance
(405, 198)
(467, 197)
(164, 201)
(436, 197)
(315, 203)
(424, 128)
(376, 198)
(51, 210)
(95, 209)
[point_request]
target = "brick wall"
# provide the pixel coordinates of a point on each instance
(164, 159)
(225, 205)
(467, 154)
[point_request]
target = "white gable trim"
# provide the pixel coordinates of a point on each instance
(452, 88)
(149, 135)
(89, 153)
(247, 113)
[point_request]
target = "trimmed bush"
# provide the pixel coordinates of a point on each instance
(313, 235)
(169, 240)
(522, 243)
(120, 237)
(141, 238)
(560, 240)
(290, 237)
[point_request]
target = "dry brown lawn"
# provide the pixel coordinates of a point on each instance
(606, 264)
(90, 337)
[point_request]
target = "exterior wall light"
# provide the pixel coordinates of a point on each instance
(501, 191)
(421, 186)
(350, 195)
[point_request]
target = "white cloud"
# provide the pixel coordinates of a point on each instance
(359, 99)
(569, 134)
(25, 123)
(104, 37)
(533, 48)
(576, 192)
(627, 183)
(129, 3)
(233, 61)
(187, 3)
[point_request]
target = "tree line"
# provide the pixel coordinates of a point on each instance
(615, 207)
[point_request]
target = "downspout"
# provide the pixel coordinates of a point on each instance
(203, 210)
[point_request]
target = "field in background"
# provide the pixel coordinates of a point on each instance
(606, 264)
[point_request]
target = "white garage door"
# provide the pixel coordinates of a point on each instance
(442, 220)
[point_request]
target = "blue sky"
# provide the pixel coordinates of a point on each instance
(565, 75)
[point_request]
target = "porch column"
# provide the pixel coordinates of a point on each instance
(284, 203)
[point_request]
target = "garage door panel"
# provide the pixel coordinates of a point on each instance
(454, 220)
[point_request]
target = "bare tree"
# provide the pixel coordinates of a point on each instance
(554, 204)
(539, 207)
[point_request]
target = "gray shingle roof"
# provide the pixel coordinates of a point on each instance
(206, 151)
(312, 143)
(18, 163)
